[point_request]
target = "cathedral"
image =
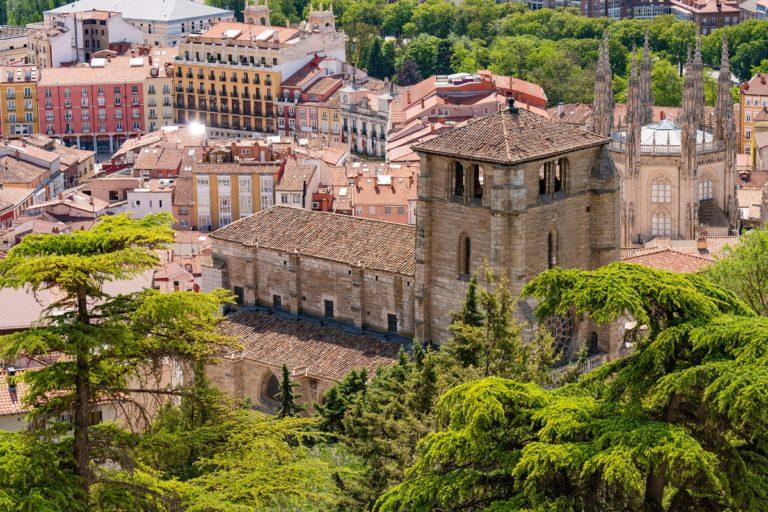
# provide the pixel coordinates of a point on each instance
(677, 177)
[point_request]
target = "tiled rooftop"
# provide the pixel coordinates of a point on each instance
(308, 348)
(375, 244)
(511, 137)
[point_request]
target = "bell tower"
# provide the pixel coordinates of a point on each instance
(322, 20)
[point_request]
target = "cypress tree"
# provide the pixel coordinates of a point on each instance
(288, 405)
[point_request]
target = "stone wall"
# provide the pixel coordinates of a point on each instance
(303, 284)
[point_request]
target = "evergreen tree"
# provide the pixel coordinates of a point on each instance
(408, 73)
(288, 405)
(110, 347)
(676, 425)
(339, 398)
(374, 60)
(444, 57)
(745, 270)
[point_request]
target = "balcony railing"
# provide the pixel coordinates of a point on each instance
(667, 149)
(585, 366)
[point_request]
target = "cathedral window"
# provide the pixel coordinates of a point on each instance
(465, 256)
(553, 177)
(477, 182)
(458, 179)
(661, 191)
(661, 224)
(705, 190)
(552, 249)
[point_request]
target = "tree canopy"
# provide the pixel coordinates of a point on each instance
(676, 425)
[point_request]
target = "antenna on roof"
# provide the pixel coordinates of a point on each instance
(511, 105)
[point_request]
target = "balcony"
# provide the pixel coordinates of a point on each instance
(179, 88)
(245, 95)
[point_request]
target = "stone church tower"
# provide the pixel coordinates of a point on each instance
(520, 192)
(725, 131)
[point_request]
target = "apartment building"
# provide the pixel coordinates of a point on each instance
(18, 101)
(228, 77)
(161, 22)
(158, 88)
(753, 97)
(95, 107)
(71, 37)
(226, 192)
(14, 42)
(365, 118)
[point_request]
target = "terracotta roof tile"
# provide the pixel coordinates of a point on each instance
(295, 176)
(306, 347)
(509, 138)
(375, 244)
(11, 401)
(672, 260)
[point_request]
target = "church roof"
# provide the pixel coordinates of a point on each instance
(374, 244)
(508, 137)
(167, 10)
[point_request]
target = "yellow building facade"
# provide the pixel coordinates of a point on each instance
(229, 77)
(225, 192)
(18, 101)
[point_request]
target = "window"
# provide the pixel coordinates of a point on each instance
(284, 198)
(552, 249)
(465, 256)
(458, 179)
(277, 301)
(328, 308)
(705, 189)
(661, 224)
(392, 323)
(661, 191)
(477, 182)
(239, 295)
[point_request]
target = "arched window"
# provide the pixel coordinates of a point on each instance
(270, 389)
(661, 223)
(477, 182)
(465, 256)
(552, 249)
(705, 189)
(661, 191)
(458, 179)
(561, 175)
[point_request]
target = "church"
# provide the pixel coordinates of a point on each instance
(514, 190)
(677, 177)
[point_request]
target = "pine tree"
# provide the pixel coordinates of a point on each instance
(408, 73)
(288, 405)
(677, 425)
(110, 346)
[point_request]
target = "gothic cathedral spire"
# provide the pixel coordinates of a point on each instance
(646, 93)
(724, 108)
(602, 106)
(691, 113)
(632, 134)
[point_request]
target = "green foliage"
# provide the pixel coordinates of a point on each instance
(382, 422)
(679, 424)
(667, 84)
(744, 270)
(36, 475)
(21, 12)
(112, 348)
(288, 405)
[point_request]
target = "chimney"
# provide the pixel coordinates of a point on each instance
(662, 115)
(408, 97)
(560, 109)
(701, 244)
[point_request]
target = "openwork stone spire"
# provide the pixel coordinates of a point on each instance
(602, 106)
(633, 118)
(724, 109)
(646, 93)
(689, 118)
